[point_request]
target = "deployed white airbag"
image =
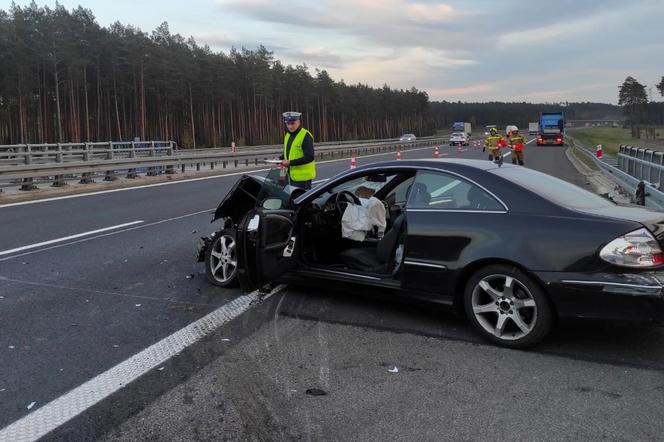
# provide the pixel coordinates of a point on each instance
(357, 221)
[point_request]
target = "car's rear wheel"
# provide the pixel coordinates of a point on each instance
(221, 259)
(507, 306)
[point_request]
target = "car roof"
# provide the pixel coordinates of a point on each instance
(456, 164)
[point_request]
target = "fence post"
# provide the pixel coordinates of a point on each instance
(170, 168)
(131, 173)
(110, 174)
(152, 171)
(86, 178)
(27, 182)
(59, 180)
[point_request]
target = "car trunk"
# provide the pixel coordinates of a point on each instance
(653, 220)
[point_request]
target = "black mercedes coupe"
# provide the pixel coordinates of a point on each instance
(511, 248)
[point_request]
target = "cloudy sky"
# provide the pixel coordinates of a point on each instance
(472, 50)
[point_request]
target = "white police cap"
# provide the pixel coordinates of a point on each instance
(291, 116)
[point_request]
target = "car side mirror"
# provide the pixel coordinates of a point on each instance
(272, 204)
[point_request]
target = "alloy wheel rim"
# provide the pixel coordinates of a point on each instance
(504, 307)
(223, 260)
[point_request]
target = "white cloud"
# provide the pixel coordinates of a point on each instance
(460, 49)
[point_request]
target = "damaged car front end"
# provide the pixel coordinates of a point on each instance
(218, 250)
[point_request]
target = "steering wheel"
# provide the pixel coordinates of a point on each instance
(343, 198)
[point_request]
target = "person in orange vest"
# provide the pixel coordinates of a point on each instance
(494, 142)
(518, 143)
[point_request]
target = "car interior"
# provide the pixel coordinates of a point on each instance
(378, 253)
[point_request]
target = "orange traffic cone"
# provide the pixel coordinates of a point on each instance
(599, 152)
(353, 163)
(398, 154)
(459, 148)
(436, 154)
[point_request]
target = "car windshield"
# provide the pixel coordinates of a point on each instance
(457, 134)
(556, 190)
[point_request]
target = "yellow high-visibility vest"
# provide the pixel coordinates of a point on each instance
(304, 172)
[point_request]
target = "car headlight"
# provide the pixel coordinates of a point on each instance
(635, 249)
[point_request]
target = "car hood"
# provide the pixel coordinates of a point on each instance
(248, 192)
(242, 197)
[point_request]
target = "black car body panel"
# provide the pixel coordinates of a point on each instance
(558, 246)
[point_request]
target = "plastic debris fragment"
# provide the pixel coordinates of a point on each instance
(316, 392)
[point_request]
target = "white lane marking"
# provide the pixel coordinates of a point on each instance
(531, 141)
(67, 238)
(59, 411)
(188, 180)
(106, 234)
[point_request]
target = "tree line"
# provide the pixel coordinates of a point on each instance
(64, 78)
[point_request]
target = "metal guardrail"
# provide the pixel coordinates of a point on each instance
(643, 164)
(654, 197)
(90, 160)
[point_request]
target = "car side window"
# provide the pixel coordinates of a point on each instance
(399, 195)
(442, 191)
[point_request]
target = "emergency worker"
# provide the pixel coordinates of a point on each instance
(517, 142)
(494, 142)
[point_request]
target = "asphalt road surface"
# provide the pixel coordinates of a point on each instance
(72, 309)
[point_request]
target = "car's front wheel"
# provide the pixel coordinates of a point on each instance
(221, 259)
(507, 306)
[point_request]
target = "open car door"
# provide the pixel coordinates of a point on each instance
(267, 239)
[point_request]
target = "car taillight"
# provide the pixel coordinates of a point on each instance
(635, 249)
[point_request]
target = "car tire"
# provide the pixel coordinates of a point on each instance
(221, 259)
(517, 315)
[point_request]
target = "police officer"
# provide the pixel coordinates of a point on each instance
(517, 142)
(494, 142)
(298, 154)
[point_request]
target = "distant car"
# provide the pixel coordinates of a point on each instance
(407, 137)
(513, 248)
(458, 139)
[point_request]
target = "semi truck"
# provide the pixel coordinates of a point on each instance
(551, 128)
(460, 126)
